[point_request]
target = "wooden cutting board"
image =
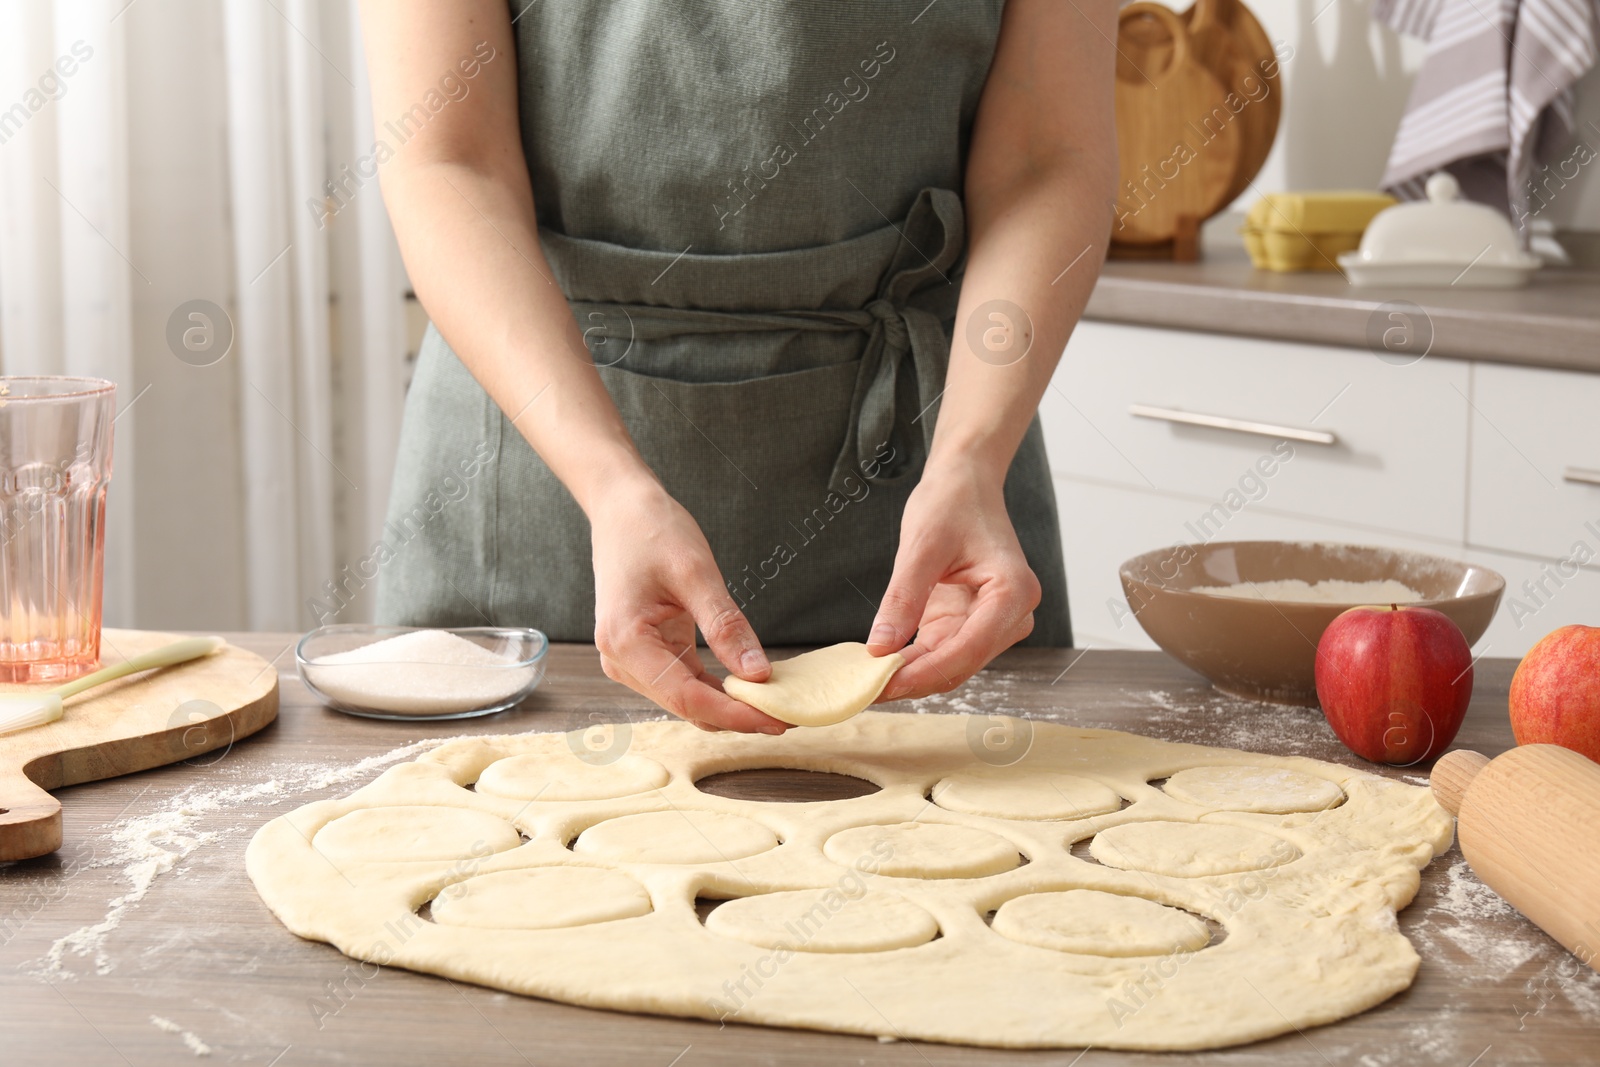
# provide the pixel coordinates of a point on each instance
(1176, 162)
(135, 723)
(1229, 42)
(1198, 98)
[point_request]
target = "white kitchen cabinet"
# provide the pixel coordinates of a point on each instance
(1541, 595)
(1404, 474)
(1535, 460)
(1399, 464)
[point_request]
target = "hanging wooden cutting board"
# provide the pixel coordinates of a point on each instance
(135, 723)
(1237, 114)
(1177, 160)
(1231, 44)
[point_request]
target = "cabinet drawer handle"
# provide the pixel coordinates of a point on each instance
(1581, 475)
(1260, 429)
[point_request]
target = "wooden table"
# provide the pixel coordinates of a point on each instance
(189, 956)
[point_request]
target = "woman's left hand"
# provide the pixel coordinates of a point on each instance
(961, 583)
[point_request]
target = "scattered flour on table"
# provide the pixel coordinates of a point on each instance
(984, 693)
(1326, 591)
(146, 847)
(189, 1037)
(1222, 721)
(425, 672)
(1204, 718)
(1478, 938)
(1439, 1038)
(1465, 929)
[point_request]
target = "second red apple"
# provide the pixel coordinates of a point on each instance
(1394, 682)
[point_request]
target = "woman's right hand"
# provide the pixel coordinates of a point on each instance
(654, 581)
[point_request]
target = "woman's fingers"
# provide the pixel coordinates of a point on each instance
(999, 618)
(916, 570)
(728, 633)
(678, 682)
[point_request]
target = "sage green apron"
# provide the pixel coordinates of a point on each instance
(750, 205)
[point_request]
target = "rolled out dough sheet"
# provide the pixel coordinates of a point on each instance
(1254, 897)
(819, 688)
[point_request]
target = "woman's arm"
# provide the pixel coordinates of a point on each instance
(461, 201)
(1040, 181)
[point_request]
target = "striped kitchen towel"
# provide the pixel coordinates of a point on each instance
(1493, 99)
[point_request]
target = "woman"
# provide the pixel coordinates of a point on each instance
(726, 348)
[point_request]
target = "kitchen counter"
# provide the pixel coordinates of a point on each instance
(182, 955)
(1554, 322)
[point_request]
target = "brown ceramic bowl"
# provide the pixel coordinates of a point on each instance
(1266, 649)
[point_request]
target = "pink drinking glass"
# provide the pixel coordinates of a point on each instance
(55, 465)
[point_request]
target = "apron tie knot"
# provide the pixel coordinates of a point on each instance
(902, 370)
(893, 324)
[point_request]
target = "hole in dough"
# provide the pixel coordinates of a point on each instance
(538, 777)
(1090, 922)
(1024, 795)
(786, 785)
(923, 850)
(397, 834)
(1080, 849)
(683, 835)
(819, 688)
(540, 898)
(1271, 790)
(825, 920)
(1189, 850)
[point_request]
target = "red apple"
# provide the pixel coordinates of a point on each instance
(1555, 694)
(1394, 682)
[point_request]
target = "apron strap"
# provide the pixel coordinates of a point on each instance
(902, 323)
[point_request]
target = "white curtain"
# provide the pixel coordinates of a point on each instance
(162, 152)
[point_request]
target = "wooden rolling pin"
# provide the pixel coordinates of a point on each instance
(1529, 824)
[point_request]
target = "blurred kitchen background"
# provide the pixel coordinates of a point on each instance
(186, 158)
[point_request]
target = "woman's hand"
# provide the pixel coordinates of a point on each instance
(654, 580)
(961, 583)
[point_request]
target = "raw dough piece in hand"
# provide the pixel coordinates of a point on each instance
(819, 688)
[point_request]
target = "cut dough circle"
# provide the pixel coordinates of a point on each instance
(683, 835)
(541, 778)
(825, 920)
(541, 898)
(1271, 790)
(1093, 923)
(413, 832)
(1003, 795)
(819, 688)
(923, 850)
(1189, 850)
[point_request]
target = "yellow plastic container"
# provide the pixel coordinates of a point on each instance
(1307, 231)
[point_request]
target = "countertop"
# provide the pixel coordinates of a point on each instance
(181, 954)
(1553, 322)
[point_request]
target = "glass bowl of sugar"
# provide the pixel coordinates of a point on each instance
(407, 672)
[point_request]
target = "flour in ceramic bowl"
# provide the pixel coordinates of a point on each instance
(425, 672)
(1326, 591)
